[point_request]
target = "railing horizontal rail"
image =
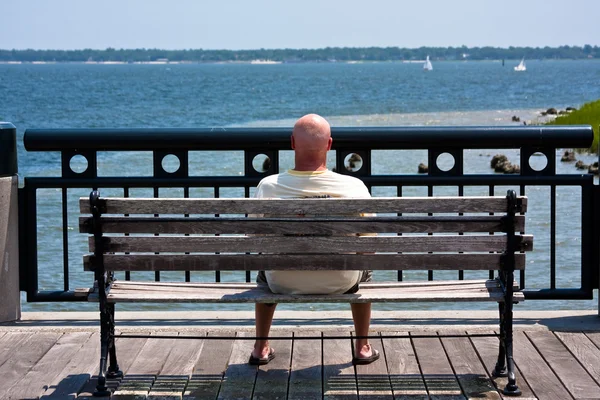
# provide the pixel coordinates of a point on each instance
(278, 138)
(382, 180)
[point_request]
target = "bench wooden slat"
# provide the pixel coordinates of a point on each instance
(333, 244)
(255, 262)
(481, 291)
(471, 204)
(140, 287)
(412, 285)
(467, 294)
(308, 226)
(248, 285)
(148, 286)
(229, 288)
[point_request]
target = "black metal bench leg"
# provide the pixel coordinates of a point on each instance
(114, 372)
(507, 277)
(500, 369)
(106, 321)
(511, 388)
(101, 388)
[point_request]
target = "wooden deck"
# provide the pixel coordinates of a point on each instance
(50, 362)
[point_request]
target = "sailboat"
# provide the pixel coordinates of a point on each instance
(427, 66)
(521, 66)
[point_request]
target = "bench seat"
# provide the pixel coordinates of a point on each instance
(381, 292)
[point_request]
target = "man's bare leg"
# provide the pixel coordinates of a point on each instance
(263, 314)
(361, 315)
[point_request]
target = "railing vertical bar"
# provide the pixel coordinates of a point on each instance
(247, 194)
(65, 237)
(217, 194)
(430, 194)
(522, 272)
(587, 238)
(156, 273)
(491, 193)
(399, 194)
(32, 242)
(186, 194)
(553, 236)
(461, 192)
(126, 194)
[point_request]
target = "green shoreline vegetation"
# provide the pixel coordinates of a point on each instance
(588, 114)
(328, 54)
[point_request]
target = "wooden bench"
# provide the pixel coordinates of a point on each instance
(433, 233)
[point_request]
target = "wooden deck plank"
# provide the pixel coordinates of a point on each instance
(373, 380)
(127, 351)
(272, 379)
(594, 337)
(306, 368)
(175, 373)
(183, 357)
(572, 375)
(1, 336)
(435, 366)
(405, 375)
(584, 350)
(29, 353)
(239, 378)
(143, 371)
(210, 367)
(47, 370)
(539, 375)
(470, 372)
(78, 371)
(11, 343)
(487, 348)
(339, 379)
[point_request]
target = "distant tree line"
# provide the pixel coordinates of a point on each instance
(327, 54)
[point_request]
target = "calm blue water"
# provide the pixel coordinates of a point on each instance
(454, 93)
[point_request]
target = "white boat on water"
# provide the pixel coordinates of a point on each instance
(521, 66)
(427, 66)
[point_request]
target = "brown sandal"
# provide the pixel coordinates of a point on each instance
(262, 361)
(367, 360)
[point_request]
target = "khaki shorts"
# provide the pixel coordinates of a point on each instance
(367, 276)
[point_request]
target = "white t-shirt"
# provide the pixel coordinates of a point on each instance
(298, 184)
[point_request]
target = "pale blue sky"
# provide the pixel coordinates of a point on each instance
(253, 24)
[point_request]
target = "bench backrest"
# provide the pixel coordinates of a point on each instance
(429, 233)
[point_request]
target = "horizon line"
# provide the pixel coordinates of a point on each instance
(299, 48)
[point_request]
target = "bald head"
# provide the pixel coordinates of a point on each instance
(311, 140)
(311, 133)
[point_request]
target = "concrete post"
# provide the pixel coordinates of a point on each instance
(10, 300)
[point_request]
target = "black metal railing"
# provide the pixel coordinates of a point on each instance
(350, 145)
